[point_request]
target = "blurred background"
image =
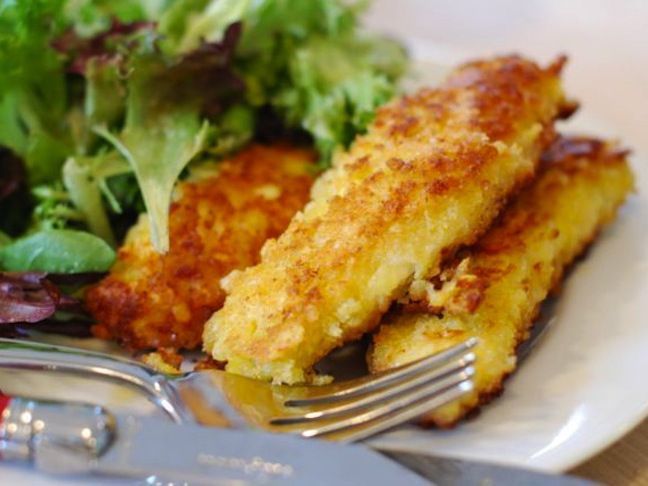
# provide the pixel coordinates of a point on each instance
(606, 41)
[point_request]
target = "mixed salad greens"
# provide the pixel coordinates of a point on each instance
(104, 103)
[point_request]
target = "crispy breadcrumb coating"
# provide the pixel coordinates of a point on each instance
(164, 360)
(220, 218)
(495, 293)
(430, 175)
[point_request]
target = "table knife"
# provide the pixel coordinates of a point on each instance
(79, 438)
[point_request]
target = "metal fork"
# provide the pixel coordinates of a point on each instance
(346, 411)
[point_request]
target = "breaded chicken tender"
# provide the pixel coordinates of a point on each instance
(430, 175)
(495, 292)
(219, 219)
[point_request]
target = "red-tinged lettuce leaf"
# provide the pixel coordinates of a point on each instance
(204, 76)
(27, 297)
(30, 297)
(105, 46)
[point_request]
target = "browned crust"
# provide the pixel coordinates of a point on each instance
(566, 151)
(487, 396)
(572, 148)
(422, 150)
(567, 157)
(218, 224)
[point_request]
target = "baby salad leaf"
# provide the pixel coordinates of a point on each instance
(106, 46)
(85, 181)
(54, 208)
(335, 88)
(105, 96)
(189, 23)
(58, 251)
(158, 146)
(164, 128)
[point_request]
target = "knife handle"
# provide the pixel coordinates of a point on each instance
(58, 437)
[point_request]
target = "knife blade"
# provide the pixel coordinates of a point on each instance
(199, 455)
(80, 438)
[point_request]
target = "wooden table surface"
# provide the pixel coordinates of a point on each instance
(624, 463)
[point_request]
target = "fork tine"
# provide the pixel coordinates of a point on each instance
(399, 410)
(407, 414)
(375, 382)
(407, 385)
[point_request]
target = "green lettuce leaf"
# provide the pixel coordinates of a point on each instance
(54, 208)
(91, 17)
(85, 180)
(105, 96)
(158, 152)
(309, 61)
(335, 85)
(57, 251)
(33, 97)
(166, 126)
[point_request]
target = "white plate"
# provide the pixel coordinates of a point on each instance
(580, 390)
(582, 387)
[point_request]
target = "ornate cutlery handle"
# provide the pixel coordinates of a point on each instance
(57, 437)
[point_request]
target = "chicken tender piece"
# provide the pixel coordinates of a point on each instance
(220, 218)
(430, 175)
(495, 293)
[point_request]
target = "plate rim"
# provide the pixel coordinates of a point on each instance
(571, 458)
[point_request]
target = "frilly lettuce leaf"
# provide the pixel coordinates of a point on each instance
(307, 60)
(164, 126)
(93, 91)
(91, 17)
(85, 180)
(33, 98)
(335, 85)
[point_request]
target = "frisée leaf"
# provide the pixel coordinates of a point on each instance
(308, 61)
(164, 126)
(33, 96)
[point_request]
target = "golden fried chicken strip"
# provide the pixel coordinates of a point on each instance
(430, 175)
(220, 218)
(495, 292)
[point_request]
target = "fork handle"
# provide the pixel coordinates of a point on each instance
(20, 354)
